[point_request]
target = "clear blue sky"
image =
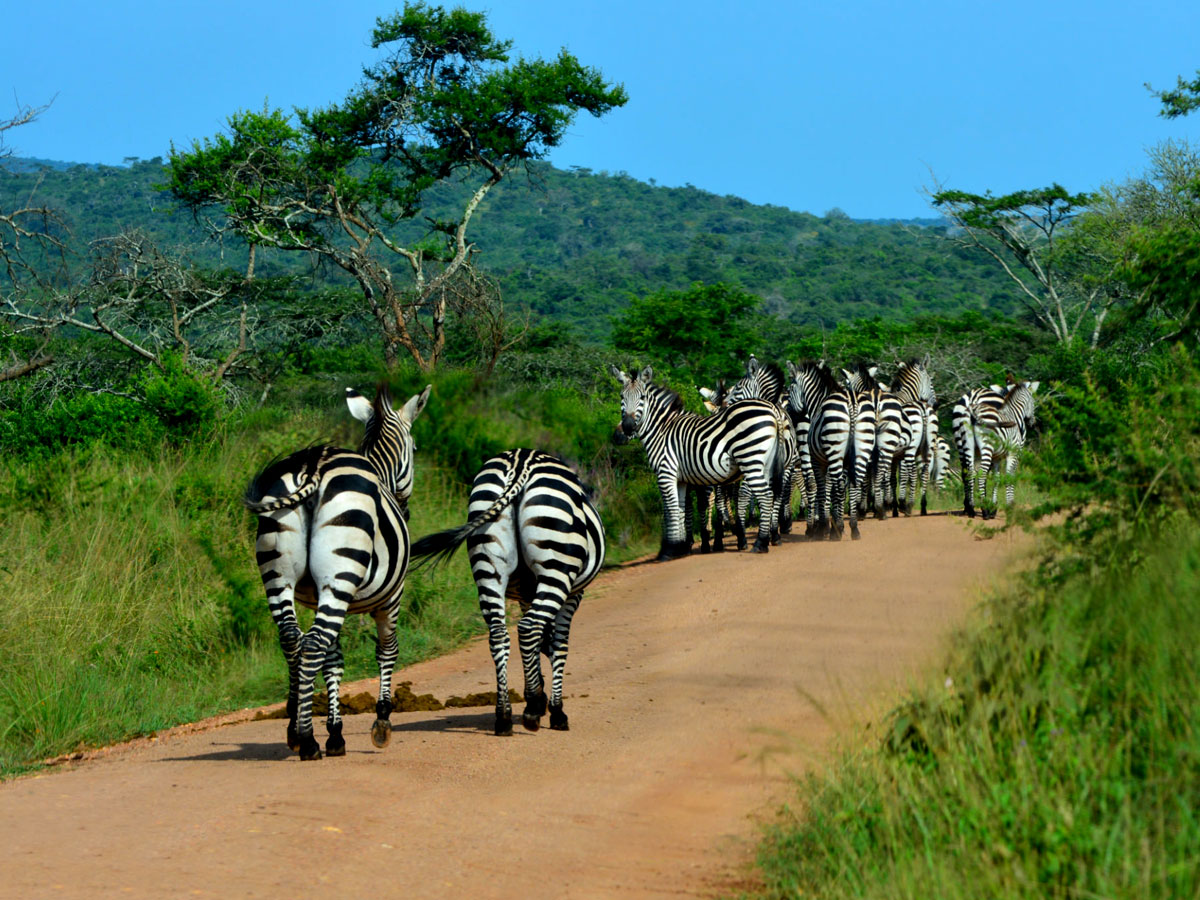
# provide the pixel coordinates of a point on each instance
(808, 105)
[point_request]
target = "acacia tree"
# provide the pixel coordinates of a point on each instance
(445, 103)
(1022, 231)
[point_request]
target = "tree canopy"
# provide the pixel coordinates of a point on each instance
(445, 102)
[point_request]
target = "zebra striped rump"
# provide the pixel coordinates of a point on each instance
(332, 537)
(534, 537)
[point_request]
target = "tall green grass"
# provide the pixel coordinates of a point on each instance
(131, 598)
(1060, 755)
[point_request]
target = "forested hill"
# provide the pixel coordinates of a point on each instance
(574, 245)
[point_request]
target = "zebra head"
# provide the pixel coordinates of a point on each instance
(388, 442)
(914, 383)
(762, 381)
(1019, 402)
(810, 383)
(861, 378)
(642, 403)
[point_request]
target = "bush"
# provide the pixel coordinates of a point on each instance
(188, 406)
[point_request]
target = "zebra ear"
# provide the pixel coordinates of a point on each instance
(753, 365)
(1033, 386)
(791, 369)
(360, 406)
(872, 371)
(646, 375)
(995, 388)
(619, 375)
(710, 406)
(416, 403)
(707, 393)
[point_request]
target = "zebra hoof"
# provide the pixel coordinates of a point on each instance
(309, 748)
(535, 708)
(381, 732)
(854, 535)
(718, 547)
(834, 534)
(558, 718)
(673, 551)
(761, 546)
(293, 738)
(705, 549)
(503, 726)
(335, 744)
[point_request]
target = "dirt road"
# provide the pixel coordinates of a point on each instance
(686, 689)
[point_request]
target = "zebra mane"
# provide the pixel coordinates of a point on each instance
(824, 375)
(673, 399)
(869, 381)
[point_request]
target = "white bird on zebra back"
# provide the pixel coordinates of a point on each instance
(990, 428)
(534, 537)
(332, 537)
(684, 449)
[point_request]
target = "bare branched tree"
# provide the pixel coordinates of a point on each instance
(476, 303)
(33, 260)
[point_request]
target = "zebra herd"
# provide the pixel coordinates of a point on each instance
(333, 523)
(848, 444)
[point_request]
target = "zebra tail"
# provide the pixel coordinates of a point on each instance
(438, 547)
(848, 468)
(308, 480)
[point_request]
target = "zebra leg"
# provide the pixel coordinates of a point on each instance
(494, 557)
(387, 650)
(281, 549)
(674, 544)
(785, 500)
(333, 669)
(1010, 468)
(703, 508)
(837, 500)
(290, 636)
(531, 632)
(755, 483)
(737, 523)
(717, 515)
(313, 649)
(558, 661)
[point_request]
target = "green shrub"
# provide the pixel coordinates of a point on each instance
(187, 405)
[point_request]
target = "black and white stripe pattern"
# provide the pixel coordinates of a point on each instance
(990, 427)
(914, 387)
(891, 435)
(332, 536)
(743, 440)
(534, 537)
(767, 382)
(841, 439)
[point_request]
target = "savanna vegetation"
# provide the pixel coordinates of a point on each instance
(147, 371)
(1056, 754)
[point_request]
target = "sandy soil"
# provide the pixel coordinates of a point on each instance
(695, 688)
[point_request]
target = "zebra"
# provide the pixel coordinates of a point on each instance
(686, 449)
(767, 382)
(891, 434)
(914, 387)
(332, 535)
(534, 537)
(990, 427)
(939, 464)
(841, 438)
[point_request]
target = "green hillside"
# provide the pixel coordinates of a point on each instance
(574, 245)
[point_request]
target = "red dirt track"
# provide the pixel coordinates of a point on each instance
(693, 689)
